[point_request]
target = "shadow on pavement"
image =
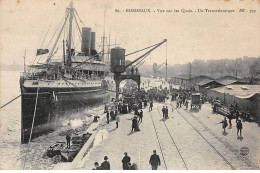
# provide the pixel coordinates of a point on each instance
(130, 133)
(112, 129)
(224, 133)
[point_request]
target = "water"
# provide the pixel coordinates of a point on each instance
(12, 152)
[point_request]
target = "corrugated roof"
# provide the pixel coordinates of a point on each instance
(241, 91)
(228, 82)
(228, 77)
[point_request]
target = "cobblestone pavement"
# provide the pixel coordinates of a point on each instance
(189, 139)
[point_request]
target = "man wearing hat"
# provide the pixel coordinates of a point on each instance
(105, 165)
(97, 167)
(154, 160)
(125, 161)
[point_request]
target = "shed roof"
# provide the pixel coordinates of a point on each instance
(241, 91)
(204, 82)
(228, 82)
(228, 77)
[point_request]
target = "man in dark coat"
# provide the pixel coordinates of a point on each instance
(126, 160)
(166, 112)
(155, 160)
(140, 116)
(239, 128)
(105, 165)
(151, 106)
(68, 138)
(134, 122)
(145, 103)
(163, 112)
(107, 117)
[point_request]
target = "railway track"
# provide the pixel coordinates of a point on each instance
(161, 145)
(226, 144)
(172, 144)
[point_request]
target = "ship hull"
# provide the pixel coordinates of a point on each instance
(54, 107)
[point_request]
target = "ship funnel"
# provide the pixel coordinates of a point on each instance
(93, 41)
(86, 41)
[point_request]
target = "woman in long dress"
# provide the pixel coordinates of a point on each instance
(136, 126)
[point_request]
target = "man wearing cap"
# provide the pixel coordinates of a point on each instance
(105, 165)
(125, 161)
(154, 160)
(97, 167)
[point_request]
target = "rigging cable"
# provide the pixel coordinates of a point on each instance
(41, 37)
(32, 126)
(52, 37)
(48, 29)
(142, 49)
(79, 17)
(77, 25)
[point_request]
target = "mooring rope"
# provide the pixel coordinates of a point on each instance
(32, 126)
(10, 101)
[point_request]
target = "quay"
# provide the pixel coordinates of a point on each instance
(189, 139)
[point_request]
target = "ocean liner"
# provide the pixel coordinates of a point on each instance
(50, 91)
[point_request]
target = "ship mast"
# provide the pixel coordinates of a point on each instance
(103, 38)
(71, 13)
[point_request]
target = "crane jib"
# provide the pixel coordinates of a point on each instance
(148, 52)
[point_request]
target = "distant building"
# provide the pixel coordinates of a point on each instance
(198, 79)
(206, 84)
(185, 82)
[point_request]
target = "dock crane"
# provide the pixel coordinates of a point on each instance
(118, 64)
(156, 68)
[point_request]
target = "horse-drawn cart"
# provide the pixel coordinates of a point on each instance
(195, 101)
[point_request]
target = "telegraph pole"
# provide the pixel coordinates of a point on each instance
(24, 66)
(190, 74)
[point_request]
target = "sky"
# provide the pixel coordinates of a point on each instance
(206, 36)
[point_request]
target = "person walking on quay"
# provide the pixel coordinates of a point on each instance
(140, 116)
(117, 120)
(107, 117)
(155, 160)
(97, 167)
(178, 101)
(237, 116)
(145, 103)
(239, 128)
(186, 103)
(230, 120)
(224, 124)
(126, 159)
(163, 112)
(151, 106)
(105, 165)
(68, 138)
(135, 126)
(166, 112)
(136, 112)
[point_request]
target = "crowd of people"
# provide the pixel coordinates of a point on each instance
(147, 98)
